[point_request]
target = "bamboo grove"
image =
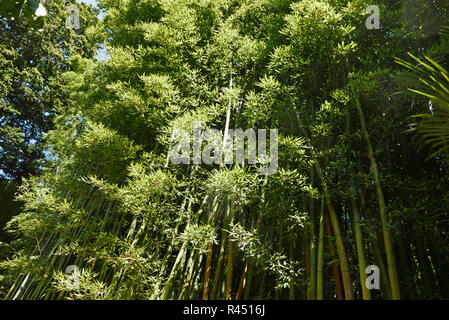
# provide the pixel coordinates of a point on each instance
(362, 180)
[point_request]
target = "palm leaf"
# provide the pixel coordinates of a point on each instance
(433, 127)
(444, 33)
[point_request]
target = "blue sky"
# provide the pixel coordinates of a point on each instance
(92, 2)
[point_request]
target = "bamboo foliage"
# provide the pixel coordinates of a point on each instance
(112, 202)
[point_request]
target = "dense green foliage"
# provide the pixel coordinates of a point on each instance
(354, 187)
(31, 63)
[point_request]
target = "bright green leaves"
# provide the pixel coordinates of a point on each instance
(312, 25)
(293, 152)
(236, 183)
(87, 287)
(104, 151)
(319, 40)
(434, 125)
(161, 93)
(284, 270)
(434, 77)
(147, 194)
(198, 236)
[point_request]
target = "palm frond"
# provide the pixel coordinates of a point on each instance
(444, 33)
(433, 127)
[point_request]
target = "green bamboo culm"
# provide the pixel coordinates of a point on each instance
(360, 249)
(391, 261)
(320, 259)
(313, 261)
(347, 284)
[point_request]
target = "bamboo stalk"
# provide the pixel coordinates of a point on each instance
(360, 250)
(210, 245)
(219, 267)
(391, 261)
(252, 260)
(209, 253)
(383, 270)
(230, 262)
(337, 277)
(192, 263)
(347, 285)
(319, 279)
(242, 282)
(291, 289)
(313, 267)
(307, 263)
